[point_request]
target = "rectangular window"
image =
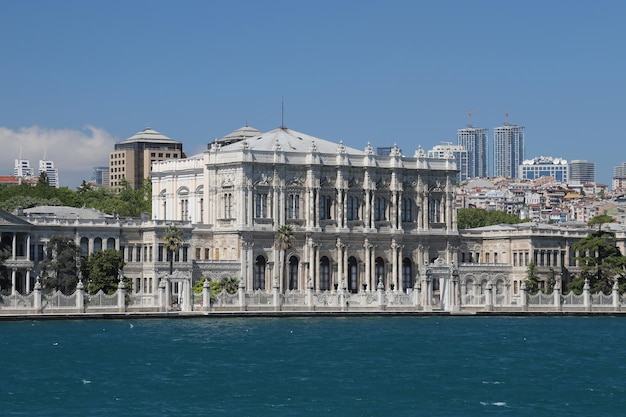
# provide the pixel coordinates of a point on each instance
(407, 206)
(380, 209)
(325, 207)
(261, 205)
(353, 208)
(293, 208)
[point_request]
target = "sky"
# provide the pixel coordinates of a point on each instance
(78, 76)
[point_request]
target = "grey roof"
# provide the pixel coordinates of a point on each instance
(242, 133)
(149, 135)
(291, 141)
(64, 212)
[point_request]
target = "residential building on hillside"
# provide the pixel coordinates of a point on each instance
(476, 141)
(508, 150)
(542, 166)
(132, 158)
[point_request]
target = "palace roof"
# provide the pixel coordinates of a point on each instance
(291, 141)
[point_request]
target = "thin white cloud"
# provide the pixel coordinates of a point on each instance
(74, 152)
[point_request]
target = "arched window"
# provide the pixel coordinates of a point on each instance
(97, 244)
(111, 243)
(293, 273)
(407, 274)
(353, 276)
(84, 246)
(379, 271)
(259, 273)
(324, 274)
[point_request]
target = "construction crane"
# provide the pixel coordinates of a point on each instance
(469, 116)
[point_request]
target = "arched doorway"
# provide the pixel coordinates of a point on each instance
(259, 273)
(353, 276)
(293, 273)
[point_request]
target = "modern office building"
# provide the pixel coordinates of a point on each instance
(131, 159)
(100, 176)
(460, 155)
(582, 172)
(47, 167)
(508, 150)
(618, 181)
(475, 140)
(542, 166)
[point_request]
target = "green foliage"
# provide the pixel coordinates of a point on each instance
(284, 237)
(125, 203)
(469, 218)
(101, 271)
(600, 220)
(173, 239)
(229, 284)
(601, 261)
(532, 279)
(59, 269)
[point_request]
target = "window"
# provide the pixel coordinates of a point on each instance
(97, 244)
(160, 253)
(293, 206)
(434, 212)
(407, 276)
(261, 205)
(228, 205)
(407, 215)
(353, 208)
(380, 209)
(353, 277)
(198, 253)
(259, 273)
(325, 207)
(324, 274)
(379, 271)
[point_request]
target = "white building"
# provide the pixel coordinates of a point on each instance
(508, 150)
(360, 220)
(51, 172)
(542, 166)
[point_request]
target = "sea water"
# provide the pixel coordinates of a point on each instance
(343, 366)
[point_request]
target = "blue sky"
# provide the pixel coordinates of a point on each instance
(76, 76)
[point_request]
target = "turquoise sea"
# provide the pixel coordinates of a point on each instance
(343, 366)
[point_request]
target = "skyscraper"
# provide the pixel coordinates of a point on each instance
(582, 172)
(475, 140)
(23, 169)
(51, 172)
(508, 149)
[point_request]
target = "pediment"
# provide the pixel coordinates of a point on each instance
(8, 219)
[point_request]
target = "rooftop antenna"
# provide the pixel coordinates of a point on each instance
(45, 153)
(20, 157)
(469, 116)
(506, 117)
(282, 111)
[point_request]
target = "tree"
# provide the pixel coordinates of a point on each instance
(469, 218)
(532, 279)
(101, 271)
(173, 239)
(601, 262)
(283, 241)
(59, 269)
(600, 220)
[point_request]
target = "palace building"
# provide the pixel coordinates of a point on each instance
(360, 220)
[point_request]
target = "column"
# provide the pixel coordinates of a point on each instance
(340, 284)
(368, 264)
(394, 265)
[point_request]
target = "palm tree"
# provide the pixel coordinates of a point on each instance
(284, 240)
(173, 238)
